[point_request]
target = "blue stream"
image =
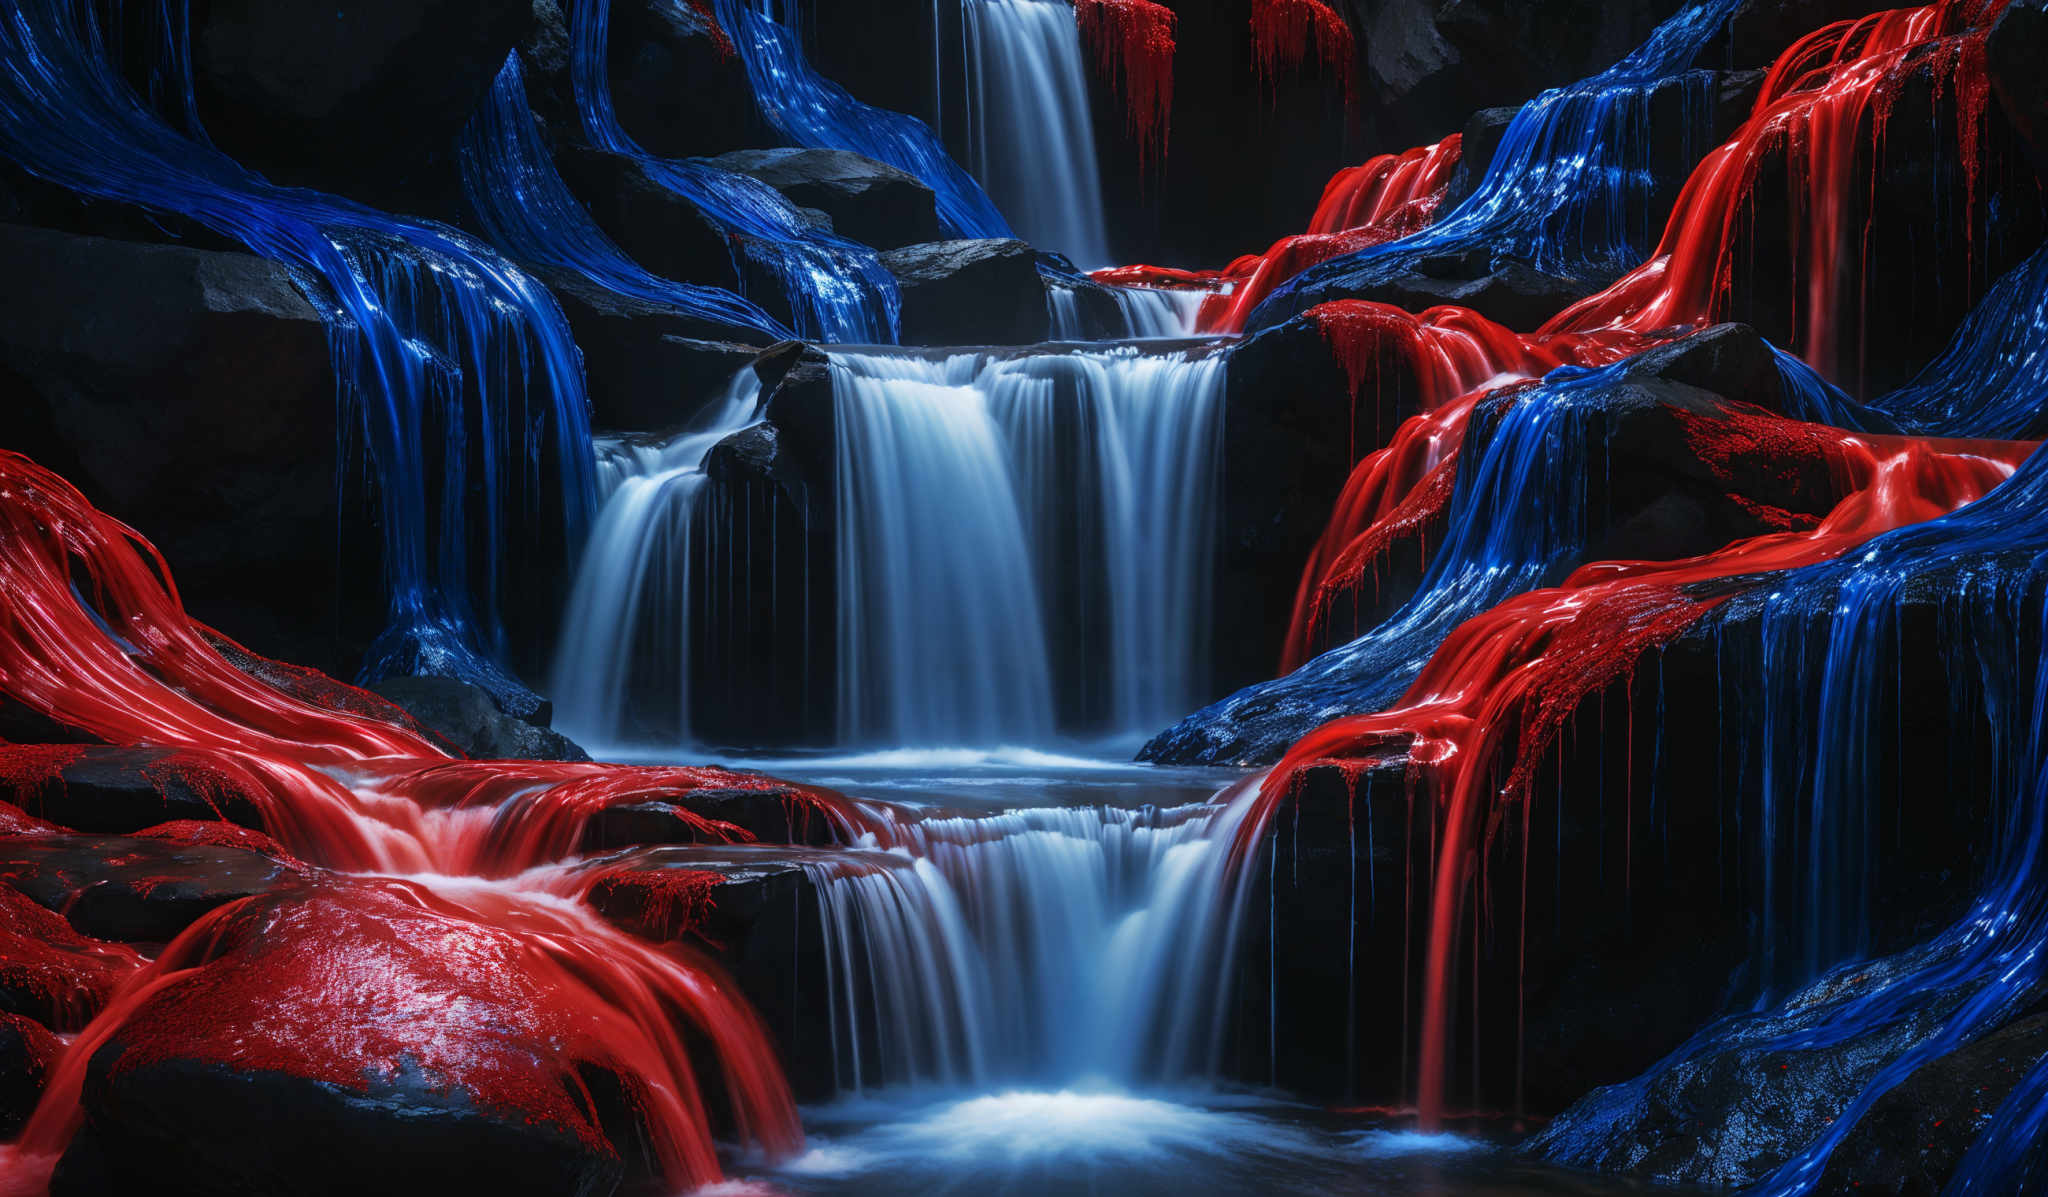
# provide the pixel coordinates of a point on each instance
(528, 210)
(814, 111)
(455, 369)
(837, 290)
(1569, 190)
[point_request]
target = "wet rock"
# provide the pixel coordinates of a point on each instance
(970, 293)
(1735, 1107)
(51, 973)
(870, 202)
(348, 1013)
(772, 814)
(363, 97)
(1508, 293)
(136, 890)
(1914, 1136)
(1663, 483)
(95, 788)
(678, 89)
(654, 226)
(28, 1051)
(2013, 56)
(475, 722)
(123, 364)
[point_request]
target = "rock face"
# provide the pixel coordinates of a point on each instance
(1732, 1112)
(362, 97)
(678, 89)
(469, 718)
(1656, 493)
(869, 201)
(132, 889)
(51, 973)
(364, 1015)
(970, 293)
(28, 1050)
(189, 392)
(121, 790)
(656, 227)
(2013, 57)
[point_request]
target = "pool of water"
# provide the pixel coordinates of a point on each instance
(1103, 1141)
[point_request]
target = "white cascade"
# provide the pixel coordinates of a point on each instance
(985, 499)
(1030, 139)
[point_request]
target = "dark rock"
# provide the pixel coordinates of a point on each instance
(1508, 293)
(123, 364)
(133, 889)
(1731, 1110)
(51, 973)
(348, 1013)
(28, 1053)
(868, 201)
(1655, 487)
(2013, 54)
(1914, 1136)
(773, 815)
(970, 293)
(471, 719)
(115, 791)
(656, 227)
(364, 97)
(646, 366)
(677, 88)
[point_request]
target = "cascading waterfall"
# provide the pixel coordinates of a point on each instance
(1046, 947)
(984, 500)
(1030, 138)
(1144, 312)
(636, 580)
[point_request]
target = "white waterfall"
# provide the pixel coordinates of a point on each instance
(983, 500)
(1143, 311)
(1042, 946)
(1030, 139)
(634, 584)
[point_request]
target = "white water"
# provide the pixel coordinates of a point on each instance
(1144, 311)
(1029, 136)
(984, 501)
(633, 585)
(1080, 946)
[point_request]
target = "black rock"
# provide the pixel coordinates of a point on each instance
(115, 791)
(132, 889)
(471, 719)
(970, 293)
(123, 364)
(364, 97)
(654, 226)
(2013, 54)
(646, 366)
(871, 202)
(679, 90)
(28, 1051)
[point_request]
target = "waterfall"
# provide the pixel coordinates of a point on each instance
(635, 582)
(1029, 133)
(1142, 312)
(983, 500)
(1049, 947)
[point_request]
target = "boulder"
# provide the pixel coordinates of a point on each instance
(364, 97)
(28, 1051)
(775, 814)
(115, 791)
(646, 366)
(138, 890)
(985, 292)
(1913, 1137)
(677, 86)
(2012, 57)
(1509, 293)
(51, 973)
(870, 202)
(1658, 488)
(473, 721)
(657, 228)
(348, 1013)
(189, 392)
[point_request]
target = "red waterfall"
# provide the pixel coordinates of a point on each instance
(1133, 44)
